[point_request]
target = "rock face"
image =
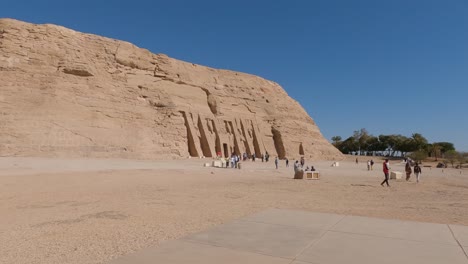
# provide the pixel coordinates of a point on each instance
(69, 94)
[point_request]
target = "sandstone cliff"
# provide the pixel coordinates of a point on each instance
(69, 94)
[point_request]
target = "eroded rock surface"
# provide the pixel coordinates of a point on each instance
(69, 94)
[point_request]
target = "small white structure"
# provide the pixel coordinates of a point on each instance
(335, 164)
(207, 165)
(217, 164)
(396, 175)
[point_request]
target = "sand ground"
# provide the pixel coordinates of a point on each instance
(91, 211)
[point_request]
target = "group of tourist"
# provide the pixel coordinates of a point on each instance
(370, 164)
(253, 157)
(417, 171)
(300, 165)
(234, 161)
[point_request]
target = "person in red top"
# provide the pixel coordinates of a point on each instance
(386, 168)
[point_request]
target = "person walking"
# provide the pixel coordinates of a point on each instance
(368, 165)
(408, 170)
(417, 171)
(386, 169)
(276, 162)
(287, 163)
(371, 164)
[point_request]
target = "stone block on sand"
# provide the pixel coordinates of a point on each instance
(217, 164)
(299, 174)
(396, 175)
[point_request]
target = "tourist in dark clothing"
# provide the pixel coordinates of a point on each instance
(408, 170)
(417, 171)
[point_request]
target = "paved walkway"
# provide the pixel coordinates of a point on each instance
(295, 237)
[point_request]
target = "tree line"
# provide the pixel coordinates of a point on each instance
(416, 147)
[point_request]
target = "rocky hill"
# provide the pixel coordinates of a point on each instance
(70, 94)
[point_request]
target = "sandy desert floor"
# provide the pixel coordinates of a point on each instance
(91, 211)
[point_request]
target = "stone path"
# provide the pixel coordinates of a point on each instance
(294, 237)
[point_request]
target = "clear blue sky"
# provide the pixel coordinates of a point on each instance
(390, 66)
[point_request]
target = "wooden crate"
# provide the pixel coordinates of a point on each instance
(312, 175)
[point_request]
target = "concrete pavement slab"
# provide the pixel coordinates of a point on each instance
(273, 240)
(183, 252)
(461, 234)
(337, 248)
(417, 231)
(295, 218)
(294, 237)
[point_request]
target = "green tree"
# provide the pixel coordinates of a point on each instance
(435, 150)
(419, 141)
(336, 140)
(445, 146)
(373, 144)
(401, 144)
(414, 143)
(349, 145)
(392, 144)
(389, 141)
(462, 158)
(361, 136)
(452, 156)
(406, 145)
(419, 155)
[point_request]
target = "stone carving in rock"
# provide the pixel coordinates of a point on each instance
(69, 94)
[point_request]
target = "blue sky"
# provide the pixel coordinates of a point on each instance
(392, 67)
